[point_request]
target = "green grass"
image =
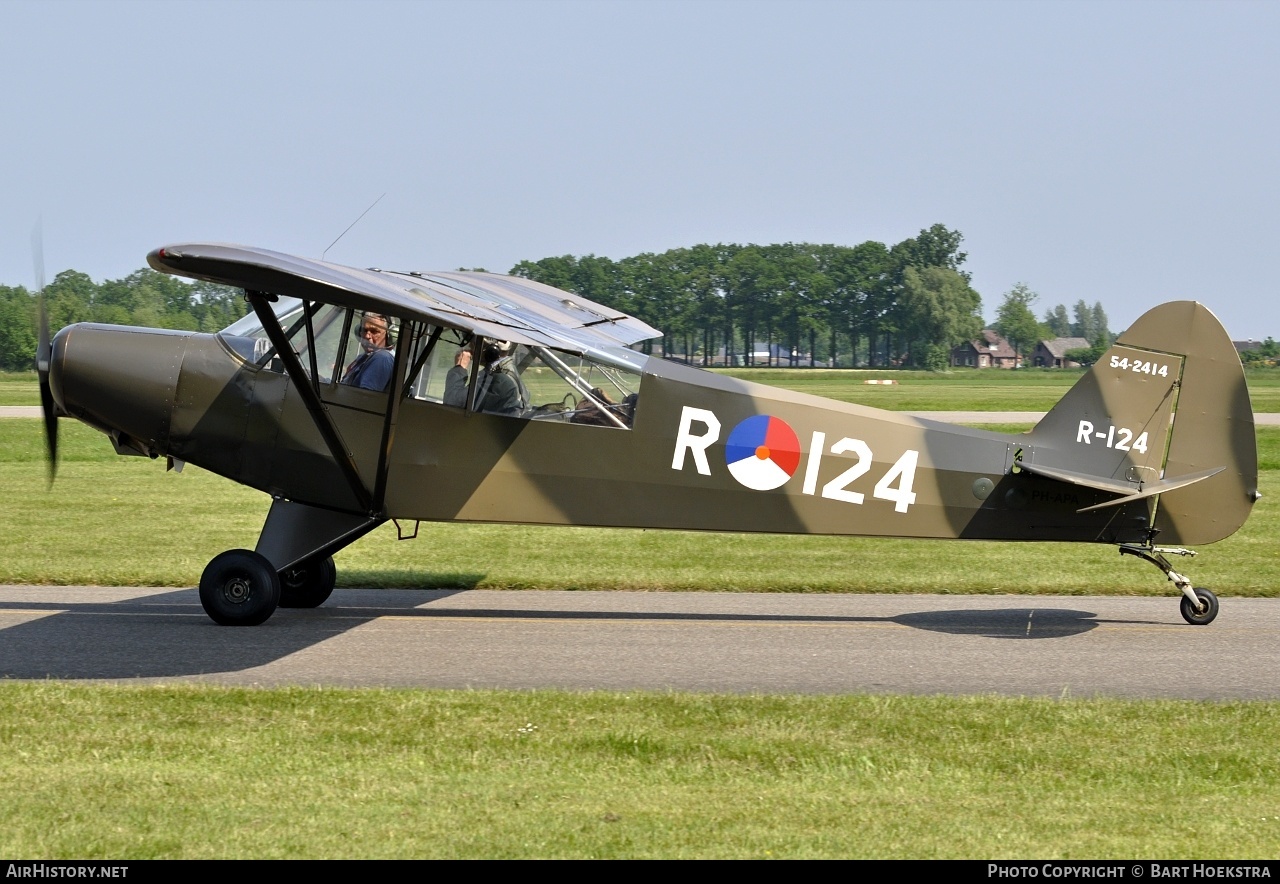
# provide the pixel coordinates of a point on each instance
(196, 772)
(19, 388)
(958, 390)
(187, 771)
(962, 389)
(111, 520)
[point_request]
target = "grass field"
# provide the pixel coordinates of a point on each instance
(192, 772)
(958, 390)
(125, 772)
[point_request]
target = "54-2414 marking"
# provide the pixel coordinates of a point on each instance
(1140, 366)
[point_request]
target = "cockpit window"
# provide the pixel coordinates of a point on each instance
(448, 366)
(331, 342)
(534, 383)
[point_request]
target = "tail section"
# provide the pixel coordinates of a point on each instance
(1164, 416)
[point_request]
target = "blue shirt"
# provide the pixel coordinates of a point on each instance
(371, 371)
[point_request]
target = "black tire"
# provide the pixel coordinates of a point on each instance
(308, 585)
(239, 588)
(1200, 618)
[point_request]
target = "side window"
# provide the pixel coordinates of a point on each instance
(327, 328)
(334, 344)
(576, 389)
(367, 355)
(533, 383)
(434, 354)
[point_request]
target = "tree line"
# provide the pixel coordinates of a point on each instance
(795, 303)
(787, 304)
(144, 298)
(875, 305)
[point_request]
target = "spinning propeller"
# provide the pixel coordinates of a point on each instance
(43, 355)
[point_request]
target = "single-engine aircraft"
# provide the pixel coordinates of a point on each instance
(491, 398)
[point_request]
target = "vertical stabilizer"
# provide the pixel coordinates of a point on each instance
(1167, 401)
(1213, 426)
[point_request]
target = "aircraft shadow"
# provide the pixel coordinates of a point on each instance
(168, 635)
(1015, 623)
(163, 636)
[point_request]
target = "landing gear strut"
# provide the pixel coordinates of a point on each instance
(1199, 606)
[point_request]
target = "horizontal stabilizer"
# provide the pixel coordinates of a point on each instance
(1098, 483)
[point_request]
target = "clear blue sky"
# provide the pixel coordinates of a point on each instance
(1122, 152)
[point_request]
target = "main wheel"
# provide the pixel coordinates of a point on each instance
(309, 584)
(239, 588)
(1200, 618)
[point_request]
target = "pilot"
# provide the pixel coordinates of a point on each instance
(455, 381)
(372, 369)
(500, 390)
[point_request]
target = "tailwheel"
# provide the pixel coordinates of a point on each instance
(308, 584)
(1199, 606)
(239, 588)
(1204, 612)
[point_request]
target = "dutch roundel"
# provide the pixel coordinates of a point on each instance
(762, 452)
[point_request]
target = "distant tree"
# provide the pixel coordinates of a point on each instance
(1101, 333)
(216, 306)
(944, 312)
(655, 286)
(70, 299)
(1083, 326)
(1265, 354)
(1058, 322)
(858, 276)
(935, 247)
(1015, 321)
(17, 329)
(557, 272)
(1085, 355)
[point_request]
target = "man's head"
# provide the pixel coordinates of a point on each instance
(372, 331)
(495, 350)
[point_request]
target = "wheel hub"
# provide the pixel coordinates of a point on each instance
(236, 590)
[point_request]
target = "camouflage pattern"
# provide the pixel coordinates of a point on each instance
(1109, 464)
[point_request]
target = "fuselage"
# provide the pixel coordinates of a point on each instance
(704, 451)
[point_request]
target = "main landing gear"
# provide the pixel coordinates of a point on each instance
(239, 588)
(242, 588)
(308, 584)
(1199, 606)
(292, 566)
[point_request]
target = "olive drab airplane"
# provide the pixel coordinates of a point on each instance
(354, 397)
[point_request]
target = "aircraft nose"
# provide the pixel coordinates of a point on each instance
(119, 379)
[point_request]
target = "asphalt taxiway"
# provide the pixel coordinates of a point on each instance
(1064, 646)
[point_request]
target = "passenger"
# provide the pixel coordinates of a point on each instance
(501, 391)
(455, 381)
(371, 370)
(590, 412)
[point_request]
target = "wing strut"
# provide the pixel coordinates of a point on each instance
(393, 414)
(319, 414)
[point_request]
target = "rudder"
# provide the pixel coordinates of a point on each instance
(1213, 426)
(1116, 430)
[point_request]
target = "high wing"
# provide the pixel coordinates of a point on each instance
(489, 304)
